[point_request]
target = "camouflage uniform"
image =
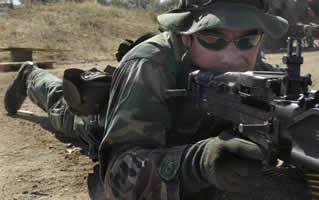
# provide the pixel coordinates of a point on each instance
(147, 131)
(314, 5)
(46, 90)
(153, 144)
(292, 10)
(150, 166)
(302, 18)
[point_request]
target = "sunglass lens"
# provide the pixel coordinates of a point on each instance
(244, 43)
(218, 44)
(248, 42)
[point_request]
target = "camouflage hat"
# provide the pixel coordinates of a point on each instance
(238, 15)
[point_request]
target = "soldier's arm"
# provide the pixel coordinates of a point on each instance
(137, 112)
(137, 119)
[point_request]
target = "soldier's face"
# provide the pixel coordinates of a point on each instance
(223, 56)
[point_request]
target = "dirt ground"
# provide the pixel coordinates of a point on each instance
(34, 164)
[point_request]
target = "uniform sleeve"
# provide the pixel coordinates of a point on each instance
(277, 4)
(138, 113)
(276, 7)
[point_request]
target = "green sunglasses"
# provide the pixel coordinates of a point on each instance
(218, 43)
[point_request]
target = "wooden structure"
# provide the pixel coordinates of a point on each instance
(19, 55)
(6, 4)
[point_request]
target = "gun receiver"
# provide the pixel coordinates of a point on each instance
(276, 110)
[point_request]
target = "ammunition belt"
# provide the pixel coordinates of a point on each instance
(313, 182)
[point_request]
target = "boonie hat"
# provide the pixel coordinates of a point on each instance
(238, 15)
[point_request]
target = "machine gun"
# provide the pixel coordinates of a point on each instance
(275, 110)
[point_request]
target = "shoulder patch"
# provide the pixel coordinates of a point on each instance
(170, 164)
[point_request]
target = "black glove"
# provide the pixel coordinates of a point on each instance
(231, 164)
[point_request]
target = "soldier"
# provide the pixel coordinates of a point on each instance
(311, 24)
(292, 10)
(157, 147)
(302, 18)
(313, 8)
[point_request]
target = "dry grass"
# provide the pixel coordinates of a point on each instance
(90, 30)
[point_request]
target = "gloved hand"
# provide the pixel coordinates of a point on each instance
(231, 164)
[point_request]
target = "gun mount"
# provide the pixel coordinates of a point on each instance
(276, 110)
